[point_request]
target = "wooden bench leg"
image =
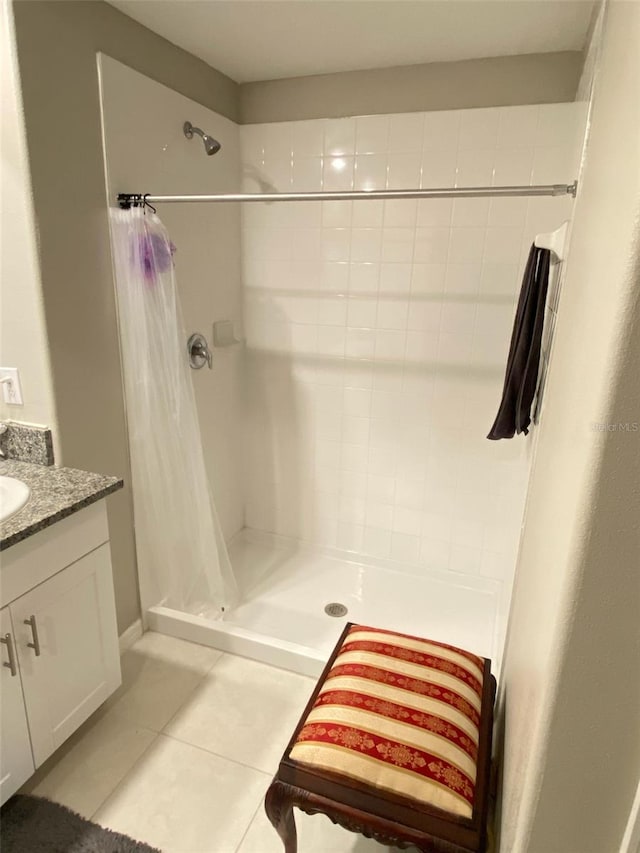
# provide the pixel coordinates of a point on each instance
(278, 804)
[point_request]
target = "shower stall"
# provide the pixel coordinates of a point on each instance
(357, 359)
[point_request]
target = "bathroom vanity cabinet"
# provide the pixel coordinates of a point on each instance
(60, 655)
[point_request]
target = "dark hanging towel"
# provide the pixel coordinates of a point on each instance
(524, 353)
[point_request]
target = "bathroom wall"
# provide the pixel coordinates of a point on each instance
(377, 333)
(591, 52)
(57, 45)
(146, 150)
(534, 78)
(23, 337)
(571, 702)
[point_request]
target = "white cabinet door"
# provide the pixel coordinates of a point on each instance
(16, 760)
(68, 649)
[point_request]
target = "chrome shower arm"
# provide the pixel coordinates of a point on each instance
(211, 145)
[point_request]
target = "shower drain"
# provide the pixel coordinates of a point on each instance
(335, 609)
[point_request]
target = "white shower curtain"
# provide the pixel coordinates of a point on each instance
(182, 558)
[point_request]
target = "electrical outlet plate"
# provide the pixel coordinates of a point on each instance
(11, 391)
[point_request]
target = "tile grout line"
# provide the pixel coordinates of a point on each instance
(156, 735)
(211, 752)
(159, 735)
(133, 766)
(191, 692)
(249, 825)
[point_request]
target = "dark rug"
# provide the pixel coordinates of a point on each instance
(35, 825)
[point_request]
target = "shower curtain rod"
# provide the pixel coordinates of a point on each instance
(125, 200)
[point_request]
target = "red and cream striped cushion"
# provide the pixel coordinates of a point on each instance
(401, 714)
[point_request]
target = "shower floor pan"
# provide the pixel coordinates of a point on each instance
(290, 590)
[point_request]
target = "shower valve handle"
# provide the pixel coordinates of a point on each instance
(199, 352)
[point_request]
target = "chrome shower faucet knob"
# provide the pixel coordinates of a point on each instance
(199, 352)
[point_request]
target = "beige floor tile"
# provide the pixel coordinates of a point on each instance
(158, 674)
(316, 834)
(185, 800)
(243, 710)
(89, 766)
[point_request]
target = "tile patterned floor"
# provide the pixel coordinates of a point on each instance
(182, 754)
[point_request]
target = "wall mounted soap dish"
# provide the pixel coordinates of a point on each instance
(224, 334)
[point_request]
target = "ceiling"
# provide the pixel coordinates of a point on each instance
(268, 39)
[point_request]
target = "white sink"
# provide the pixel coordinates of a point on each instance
(13, 496)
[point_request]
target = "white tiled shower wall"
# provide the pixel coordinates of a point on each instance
(377, 332)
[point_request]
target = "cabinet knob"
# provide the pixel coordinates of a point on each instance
(35, 645)
(8, 642)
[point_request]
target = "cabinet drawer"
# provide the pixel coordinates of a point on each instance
(31, 562)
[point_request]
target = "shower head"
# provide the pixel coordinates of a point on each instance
(211, 145)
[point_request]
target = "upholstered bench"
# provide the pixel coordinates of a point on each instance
(394, 744)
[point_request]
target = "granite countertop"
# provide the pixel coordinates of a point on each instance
(55, 494)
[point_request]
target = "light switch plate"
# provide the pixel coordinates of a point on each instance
(11, 391)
